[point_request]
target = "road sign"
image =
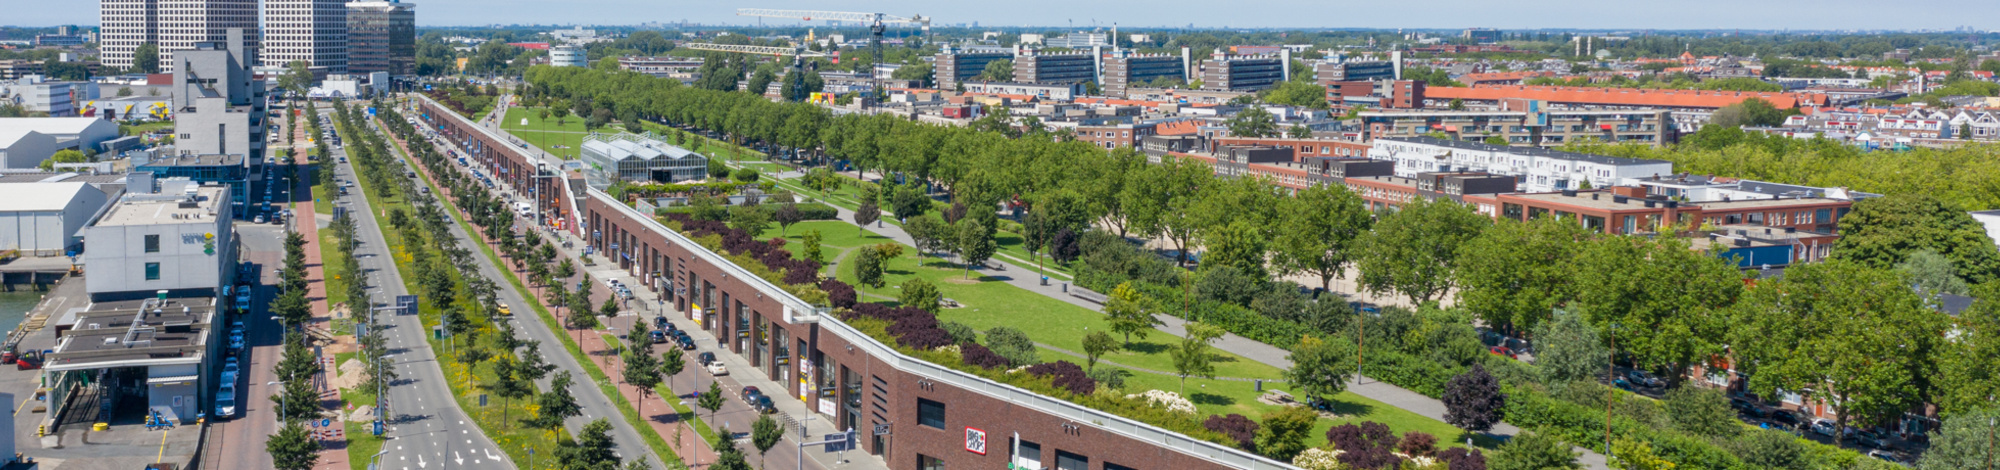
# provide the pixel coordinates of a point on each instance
(882, 429)
(408, 303)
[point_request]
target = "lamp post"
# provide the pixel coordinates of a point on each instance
(376, 460)
(281, 401)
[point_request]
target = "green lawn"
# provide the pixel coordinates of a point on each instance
(557, 136)
(711, 147)
(990, 303)
(329, 255)
(1012, 247)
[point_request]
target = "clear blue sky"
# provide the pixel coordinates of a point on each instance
(1508, 14)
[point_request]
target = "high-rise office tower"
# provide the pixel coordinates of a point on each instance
(173, 25)
(382, 37)
(314, 31)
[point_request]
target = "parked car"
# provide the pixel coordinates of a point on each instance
(225, 401)
(684, 341)
(1823, 427)
(504, 310)
(1887, 456)
(716, 368)
(657, 336)
(1862, 438)
(259, 219)
(1501, 351)
(704, 358)
(1622, 384)
(1644, 378)
(1785, 418)
(661, 323)
(236, 341)
(750, 392)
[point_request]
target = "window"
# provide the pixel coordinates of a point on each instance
(152, 243)
(1069, 461)
(930, 413)
(152, 271)
(925, 462)
(1029, 455)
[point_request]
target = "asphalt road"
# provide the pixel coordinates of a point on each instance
(594, 402)
(427, 429)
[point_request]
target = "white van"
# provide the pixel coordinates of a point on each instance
(524, 208)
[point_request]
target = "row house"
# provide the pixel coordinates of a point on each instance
(1534, 169)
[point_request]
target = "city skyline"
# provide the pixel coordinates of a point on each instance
(1444, 14)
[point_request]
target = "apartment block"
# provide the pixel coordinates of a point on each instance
(1122, 69)
(313, 31)
(1354, 71)
(1534, 169)
(219, 109)
(1055, 68)
(172, 25)
(382, 37)
(1244, 73)
(1527, 123)
(953, 68)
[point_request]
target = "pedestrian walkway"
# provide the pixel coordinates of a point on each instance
(1362, 385)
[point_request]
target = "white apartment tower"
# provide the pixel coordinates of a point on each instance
(314, 31)
(173, 25)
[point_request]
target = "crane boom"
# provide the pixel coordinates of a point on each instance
(758, 50)
(809, 15)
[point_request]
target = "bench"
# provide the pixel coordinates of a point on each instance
(1086, 294)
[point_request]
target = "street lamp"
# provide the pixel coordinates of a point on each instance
(376, 460)
(281, 401)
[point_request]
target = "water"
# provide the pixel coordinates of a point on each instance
(14, 308)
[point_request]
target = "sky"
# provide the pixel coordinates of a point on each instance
(1059, 14)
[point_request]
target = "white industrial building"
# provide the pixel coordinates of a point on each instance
(178, 240)
(25, 142)
(1535, 170)
(43, 219)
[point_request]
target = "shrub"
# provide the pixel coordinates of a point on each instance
(1473, 400)
(1417, 444)
(1110, 377)
(1066, 375)
(1369, 445)
(1014, 345)
(1702, 412)
(959, 332)
(1236, 426)
(979, 356)
(1458, 458)
(839, 294)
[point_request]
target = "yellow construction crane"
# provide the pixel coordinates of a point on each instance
(875, 21)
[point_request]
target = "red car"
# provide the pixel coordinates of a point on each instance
(1502, 351)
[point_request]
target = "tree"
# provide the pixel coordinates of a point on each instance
(1298, 92)
(1473, 401)
(1969, 363)
(1456, 104)
(866, 214)
(592, 449)
(920, 294)
(868, 267)
(1320, 369)
(561, 110)
(764, 433)
(1932, 275)
(711, 400)
(1629, 454)
(1192, 358)
(1299, 131)
(998, 71)
(1126, 310)
(297, 78)
(930, 234)
(1238, 245)
(787, 215)
(749, 218)
(1252, 121)
(1964, 442)
(146, 59)
(1663, 302)
(1317, 232)
(293, 448)
(1837, 332)
(1095, 345)
(642, 368)
(1700, 411)
(1013, 345)
(1036, 230)
(554, 406)
(1753, 112)
(1568, 349)
(1533, 451)
(1882, 232)
(811, 248)
(1514, 273)
(1414, 251)
(64, 156)
(1284, 432)
(975, 243)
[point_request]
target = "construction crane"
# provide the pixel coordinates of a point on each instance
(875, 21)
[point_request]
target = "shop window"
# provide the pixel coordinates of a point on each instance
(930, 413)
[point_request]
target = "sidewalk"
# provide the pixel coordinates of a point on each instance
(1367, 387)
(305, 221)
(655, 410)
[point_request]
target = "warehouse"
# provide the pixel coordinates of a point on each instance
(42, 218)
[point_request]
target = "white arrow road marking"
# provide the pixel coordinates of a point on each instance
(420, 461)
(456, 457)
(489, 455)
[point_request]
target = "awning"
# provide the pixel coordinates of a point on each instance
(174, 379)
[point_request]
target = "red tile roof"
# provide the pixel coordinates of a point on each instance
(1622, 96)
(1176, 128)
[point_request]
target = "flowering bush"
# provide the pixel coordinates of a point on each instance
(1165, 399)
(1319, 459)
